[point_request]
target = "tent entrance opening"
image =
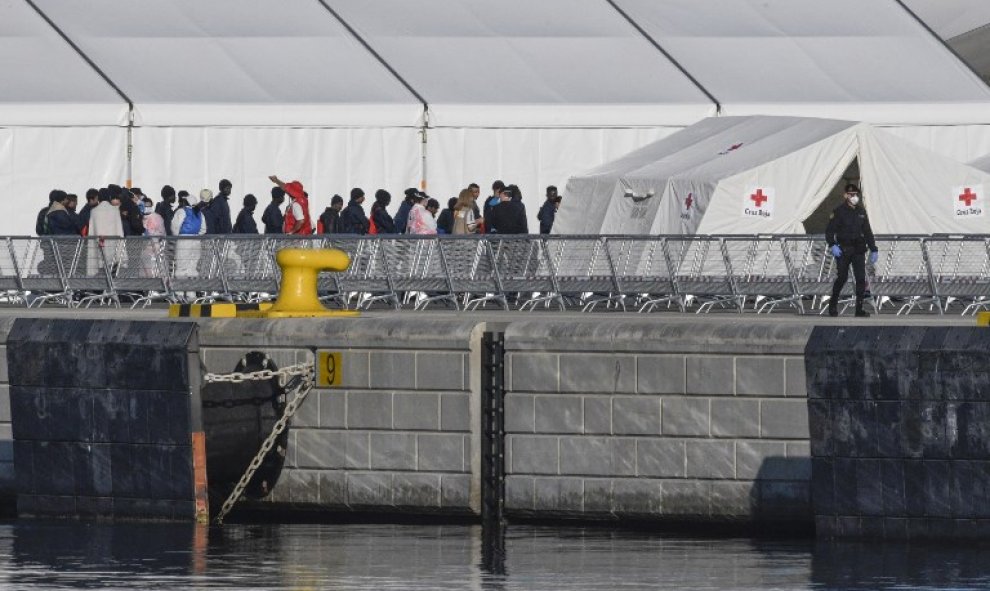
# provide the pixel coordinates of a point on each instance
(818, 220)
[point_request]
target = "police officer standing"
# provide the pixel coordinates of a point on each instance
(849, 235)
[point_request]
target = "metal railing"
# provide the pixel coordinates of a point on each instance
(938, 273)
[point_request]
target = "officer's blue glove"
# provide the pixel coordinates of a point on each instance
(874, 257)
(836, 251)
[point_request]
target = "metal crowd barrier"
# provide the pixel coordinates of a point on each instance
(937, 273)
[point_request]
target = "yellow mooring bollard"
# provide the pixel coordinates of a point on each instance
(983, 319)
(297, 295)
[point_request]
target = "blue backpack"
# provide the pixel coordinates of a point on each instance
(192, 223)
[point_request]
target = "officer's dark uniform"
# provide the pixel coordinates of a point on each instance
(849, 227)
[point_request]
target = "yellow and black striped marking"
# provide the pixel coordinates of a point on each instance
(216, 310)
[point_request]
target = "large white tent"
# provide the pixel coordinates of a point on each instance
(59, 120)
(963, 24)
(765, 175)
(394, 93)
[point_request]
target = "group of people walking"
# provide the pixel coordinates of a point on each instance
(115, 211)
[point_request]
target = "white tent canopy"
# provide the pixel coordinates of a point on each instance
(951, 18)
(236, 62)
(982, 163)
(766, 175)
(963, 24)
(392, 93)
(45, 82)
(519, 63)
(854, 59)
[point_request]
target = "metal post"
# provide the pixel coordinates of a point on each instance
(493, 453)
(422, 133)
(130, 146)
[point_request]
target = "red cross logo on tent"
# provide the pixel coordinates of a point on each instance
(689, 201)
(758, 202)
(967, 203)
(759, 198)
(968, 196)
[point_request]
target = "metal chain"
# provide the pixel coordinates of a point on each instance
(261, 375)
(301, 384)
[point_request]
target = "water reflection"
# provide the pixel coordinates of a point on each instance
(38, 555)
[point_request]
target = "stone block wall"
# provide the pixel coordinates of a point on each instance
(676, 420)
(8, 489)
(104, 416)
(398, 434)
(901, 418)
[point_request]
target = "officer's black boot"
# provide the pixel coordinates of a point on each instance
(833, 307)
(860, 312)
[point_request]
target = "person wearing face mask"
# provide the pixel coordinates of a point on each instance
(849, 237)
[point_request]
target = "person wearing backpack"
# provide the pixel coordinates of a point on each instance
(41, 223)
(380, 219)
(353, 219)
(188, 221)
(329, 222)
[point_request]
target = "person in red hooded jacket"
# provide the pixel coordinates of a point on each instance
(297, 219)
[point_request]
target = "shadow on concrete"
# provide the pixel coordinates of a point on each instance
(781, 495)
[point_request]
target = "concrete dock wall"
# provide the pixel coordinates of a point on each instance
(396, 434)
(7, 483)
(649, 417)
(688, 420)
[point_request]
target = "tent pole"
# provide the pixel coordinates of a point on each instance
(422, 132)
(130, 146)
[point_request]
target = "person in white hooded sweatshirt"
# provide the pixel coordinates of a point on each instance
(104, 223)
(188, 220)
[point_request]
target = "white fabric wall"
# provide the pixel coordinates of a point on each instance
(35, 160)
(529, 158)
(962, 143)
(325, 160)
(910, 190)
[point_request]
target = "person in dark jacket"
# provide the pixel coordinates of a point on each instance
(379, 214)
(41, 223)
(130, 214)
(165, 207)
(509, 216)
(849, 236)
(92, 200)
(60, 223)
(490, 202)
(329, 222)
(402, 215)
(549, 210)
(245, 218)
(218, 213)
(273, 218)
(353, 219)
(445, 221)
(71, 202)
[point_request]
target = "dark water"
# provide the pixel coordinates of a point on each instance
(308, 557)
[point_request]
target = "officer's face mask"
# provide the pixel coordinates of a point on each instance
(853, 199)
